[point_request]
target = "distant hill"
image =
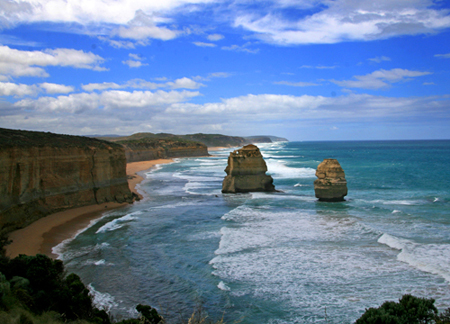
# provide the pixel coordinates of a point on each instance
(217, 140)
(210, 140)
(265, 139)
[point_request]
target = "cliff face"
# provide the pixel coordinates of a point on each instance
(41, 173)
(246, 172)
(331, 184)
(152, 149)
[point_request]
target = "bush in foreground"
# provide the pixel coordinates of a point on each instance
(35, 289)
(408, 310)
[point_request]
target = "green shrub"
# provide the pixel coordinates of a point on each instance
(409, 310)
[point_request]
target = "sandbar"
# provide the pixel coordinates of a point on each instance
(47, 232)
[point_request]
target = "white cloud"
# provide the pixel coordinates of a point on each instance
(379, 59)
(319, 67)
(170, 111)
(143, 27)
(182, 83)
(17, 63)
(100, 86)
(215, 37)
(136, 57)
(243, 48)
(296, 84)
(344, 20)
(202, 44)
(117, 12)
(443, 55)
(133, 64)
(107, 100)
(380, 79)
(17, 90)
(53, 88)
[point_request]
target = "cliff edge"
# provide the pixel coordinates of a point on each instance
(42, 173)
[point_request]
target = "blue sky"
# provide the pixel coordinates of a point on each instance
(301, 69)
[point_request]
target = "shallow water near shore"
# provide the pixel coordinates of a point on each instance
(277, 257)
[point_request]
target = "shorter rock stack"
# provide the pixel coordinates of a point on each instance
(246, 172)
(331, 184)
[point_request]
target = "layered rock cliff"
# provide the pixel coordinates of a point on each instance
(331, 184)
(42, 173)
(246, 172)
(152, 149)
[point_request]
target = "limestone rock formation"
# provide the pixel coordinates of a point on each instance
(246, 172)
(331, 184)
(42, 173)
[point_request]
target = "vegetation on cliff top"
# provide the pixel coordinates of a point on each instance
(210, 140)
(21, 138)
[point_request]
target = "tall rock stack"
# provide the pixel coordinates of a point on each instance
(246, 172)
(331, 184)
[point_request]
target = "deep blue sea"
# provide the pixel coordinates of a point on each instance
(277, 257)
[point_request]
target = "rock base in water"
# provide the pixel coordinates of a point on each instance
(246, 172)
(331, 184)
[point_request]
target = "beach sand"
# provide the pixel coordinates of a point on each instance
(45, 233)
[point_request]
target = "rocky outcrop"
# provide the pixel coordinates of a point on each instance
(246, 172)
(331, 184)
(42, 173)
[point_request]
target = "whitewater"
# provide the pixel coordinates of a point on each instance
(277, 257)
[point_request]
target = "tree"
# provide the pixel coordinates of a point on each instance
(409, 310)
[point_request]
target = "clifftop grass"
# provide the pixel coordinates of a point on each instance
(23, 139)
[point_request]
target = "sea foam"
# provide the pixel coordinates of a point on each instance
(431, 258)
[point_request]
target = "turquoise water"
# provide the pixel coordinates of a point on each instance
(277, 257)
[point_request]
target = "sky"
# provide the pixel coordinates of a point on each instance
(300, 69)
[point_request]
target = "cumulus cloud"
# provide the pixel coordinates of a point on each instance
(107, 100)
(380, 79)
(241, 48)
(182, 83)
(202, 44)
(53, 88)
(215, 37)
(17, 90)
(143, 27)
(344, 20)
(172, 111)
(17, 63)
(277, 21)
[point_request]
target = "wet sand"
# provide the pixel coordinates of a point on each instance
(42, 235)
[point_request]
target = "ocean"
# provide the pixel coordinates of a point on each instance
(280, 257)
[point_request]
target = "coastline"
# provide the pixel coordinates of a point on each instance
(47, 232)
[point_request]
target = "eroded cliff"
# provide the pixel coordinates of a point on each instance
(246, 172)
(41, 173)
(161, 148)
(331, 184)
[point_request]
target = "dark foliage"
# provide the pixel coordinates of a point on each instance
(38, 284)
(149, 315)
(409, 310)
(443, 318)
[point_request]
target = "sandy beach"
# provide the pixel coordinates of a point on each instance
(42, 235)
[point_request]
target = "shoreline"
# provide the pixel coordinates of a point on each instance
(49, 231)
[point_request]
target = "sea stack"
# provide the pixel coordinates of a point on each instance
(331, 184)
(246, 172)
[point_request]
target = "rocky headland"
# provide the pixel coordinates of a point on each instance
(148, 146)
(42, 173)
(331, 184)
(246, 172)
